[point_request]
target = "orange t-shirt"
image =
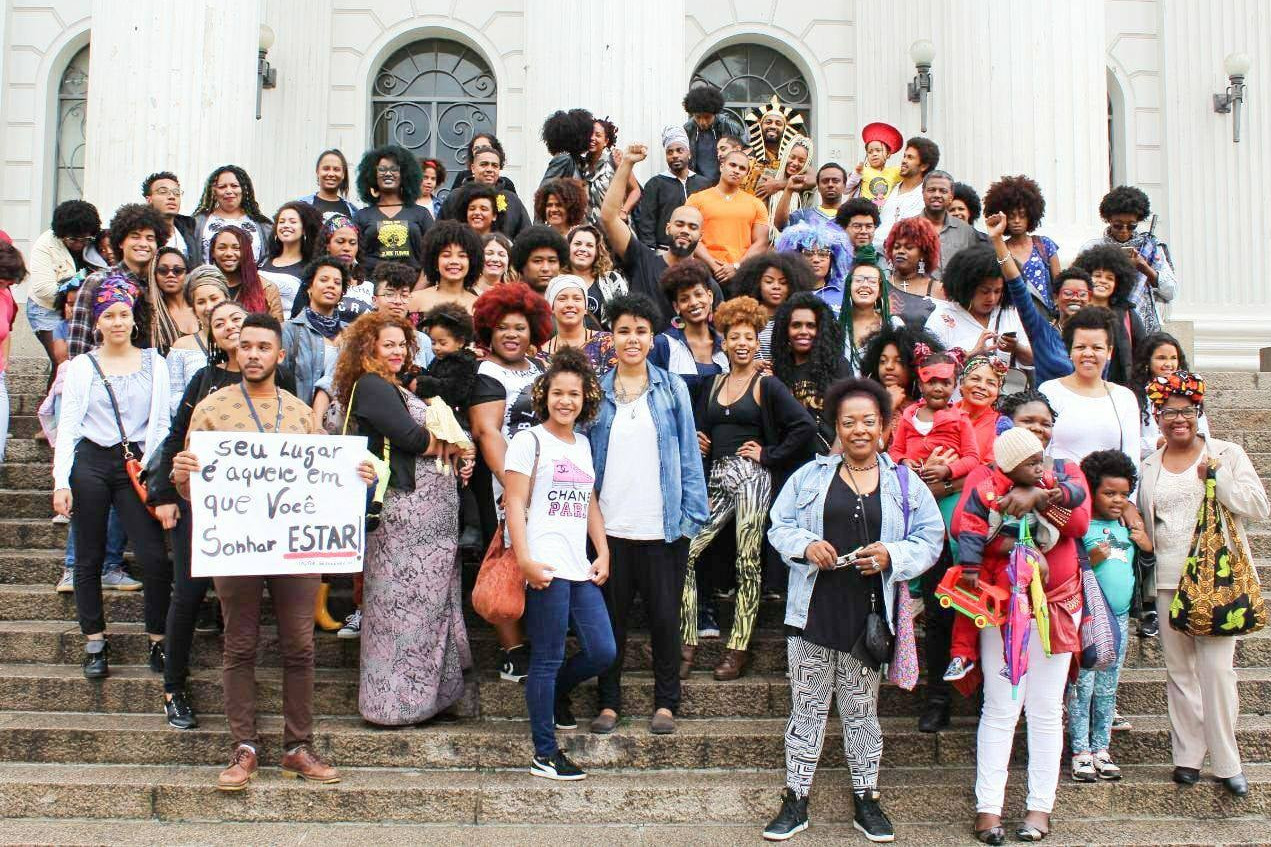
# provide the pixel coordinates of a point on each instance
(728, 221)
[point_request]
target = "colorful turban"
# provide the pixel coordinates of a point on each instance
(999, 367)
(1189, 386)
(205, 275)
(334, 222)
(115, 288)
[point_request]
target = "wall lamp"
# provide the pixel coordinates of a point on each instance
(1237, 67)
(922, 52)
(266, 76)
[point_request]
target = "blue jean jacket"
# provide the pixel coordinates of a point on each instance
(682, 480)
(798, 520)
(306, 353)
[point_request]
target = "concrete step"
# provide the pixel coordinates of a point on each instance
(26, 475)
(1123, 832)
(105, 737)
(23, 423)
(28, 450)
(26, 502)
(37, 535)
(910, 795)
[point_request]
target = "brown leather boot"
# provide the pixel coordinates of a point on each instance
(687, 652)
(303, 763)
(242, 767)
(733, 665)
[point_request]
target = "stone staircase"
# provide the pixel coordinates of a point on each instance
(95, 763)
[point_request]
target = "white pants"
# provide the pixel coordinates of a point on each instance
(1200, 690)
(1041, 696)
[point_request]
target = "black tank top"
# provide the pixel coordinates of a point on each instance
(733, 425)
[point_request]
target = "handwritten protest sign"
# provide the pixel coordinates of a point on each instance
(268, 504)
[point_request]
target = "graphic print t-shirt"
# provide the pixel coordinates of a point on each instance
(494, 383)
(562, 489)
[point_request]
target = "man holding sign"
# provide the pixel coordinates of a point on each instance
(258, 406)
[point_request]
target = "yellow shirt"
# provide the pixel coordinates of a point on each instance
(728, 221)
(875, 183)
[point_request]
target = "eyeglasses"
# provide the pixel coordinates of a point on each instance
(1075, 293)
(167, 192)
(388, 170)
(169, 270)
(817, 252)
(1190, 413)
(862, 280)
(865, 227)
(394, 294)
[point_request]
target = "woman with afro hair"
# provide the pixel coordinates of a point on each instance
(392, 224)
(229, 199)
(1112, 281)
(807, 355)
(1123, 209)
(912, 249)
(561, 203)
(583, 147)
(978, 317)
(453, 259)
(1020, 199)
(511, 321)
(771, 279)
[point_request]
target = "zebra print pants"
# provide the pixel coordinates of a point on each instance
(743, 487)
(816, 675)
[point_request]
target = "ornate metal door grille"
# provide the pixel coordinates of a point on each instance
(431, 97)
(72, 115)
(749, 75)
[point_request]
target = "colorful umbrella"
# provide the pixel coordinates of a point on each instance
(1021, 571)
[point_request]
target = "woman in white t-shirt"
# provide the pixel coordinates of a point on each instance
(550, 484)
(978, 316)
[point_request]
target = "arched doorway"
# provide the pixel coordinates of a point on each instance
(69, 140)
(749, 75)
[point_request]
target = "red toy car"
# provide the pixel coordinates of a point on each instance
(987, 608)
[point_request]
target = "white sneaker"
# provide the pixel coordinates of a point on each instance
(352, 626)
(958, 668)
(66, 585)
(117, 579)
(1106, 768)
(61, 519)
(1083, 768)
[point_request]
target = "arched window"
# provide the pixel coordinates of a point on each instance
(431, 97)
(72, 116)
(750, 74)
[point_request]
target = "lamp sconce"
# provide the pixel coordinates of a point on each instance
(921, 52)
(1237, 67)
(266, 76)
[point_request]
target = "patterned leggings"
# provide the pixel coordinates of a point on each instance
(1092, 702)
(817, 674)
(744, 487)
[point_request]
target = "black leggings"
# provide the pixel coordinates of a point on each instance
(187, 595)
(98, 481)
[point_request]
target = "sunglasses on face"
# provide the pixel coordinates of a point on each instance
(169, 270)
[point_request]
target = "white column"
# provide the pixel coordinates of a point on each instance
(170, 88)
(624, 60)
(1019, 87)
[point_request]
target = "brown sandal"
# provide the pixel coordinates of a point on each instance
(994, 834)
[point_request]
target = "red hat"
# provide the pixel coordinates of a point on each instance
(886, 133)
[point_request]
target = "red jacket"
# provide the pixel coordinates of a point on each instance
(950, 429)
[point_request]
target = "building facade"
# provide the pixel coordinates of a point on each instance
(1080, 95)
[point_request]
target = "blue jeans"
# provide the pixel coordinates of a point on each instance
(1093, 702)
(548, 615)
(116, 540)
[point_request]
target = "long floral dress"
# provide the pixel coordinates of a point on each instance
(414, 642)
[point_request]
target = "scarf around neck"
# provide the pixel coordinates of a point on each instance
(328, 326)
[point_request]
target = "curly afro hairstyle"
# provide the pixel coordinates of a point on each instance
(326, 260)
(445, 233)
(456, 205)
(207, 202)
(826, 359)
(919, 232)
(965, 193)
(856, 387)
(1089, 317)
(512, 298)
(451, 317)
(135, 217)
(570, 193)
(792, 266)
(358, 345)
(1102, 464)
(635, 305)
(611, 131)
(857, 207)
(740, 311)
(1009, 404)
(568, 360)
(310, 230)
(1068, 274)
(1141, 369)
(76, 218)
(536, 238)
(1111, 258)
(411, 174)
(568, 132)
(393, 276)
(1016, 192)
(684, 275)
(1125, 200)
(904, 338)
(968, 268)
(703, 100)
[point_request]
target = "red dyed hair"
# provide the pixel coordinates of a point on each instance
(920, 232)
(512, 298)
(253, 296)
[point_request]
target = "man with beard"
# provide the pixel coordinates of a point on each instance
(937, 193)
(763, 179)
(642, 264)
(905, 198)
(667, 191)
(831, 180)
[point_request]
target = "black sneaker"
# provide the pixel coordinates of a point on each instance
(558, 767)
(179, 712)
(565, 714)
(1149, 625)
(790, 821)
(207, 618)
(869, 818)
(97, 665)
(935, 718)
(516, 663)
(158, 658)
(707, 626)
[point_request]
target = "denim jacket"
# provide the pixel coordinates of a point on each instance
(306, 353)
(683, 482)
(797, 521)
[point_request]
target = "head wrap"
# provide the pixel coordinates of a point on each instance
(72, 283)
(561, 283)
(334, 222)
(1189, 386)
(883, 132)
(205, 275)
(940, 370)
(674, 134)
(115, 288)
(798, 141)
(999, 367)
(820, 234)
(792, 120)
(1013, 447)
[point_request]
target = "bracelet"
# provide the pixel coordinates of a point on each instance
(1004, 259)
(948, 486)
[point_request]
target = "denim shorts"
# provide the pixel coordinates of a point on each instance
(40, 318)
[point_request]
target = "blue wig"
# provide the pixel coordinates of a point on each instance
(816, 234)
